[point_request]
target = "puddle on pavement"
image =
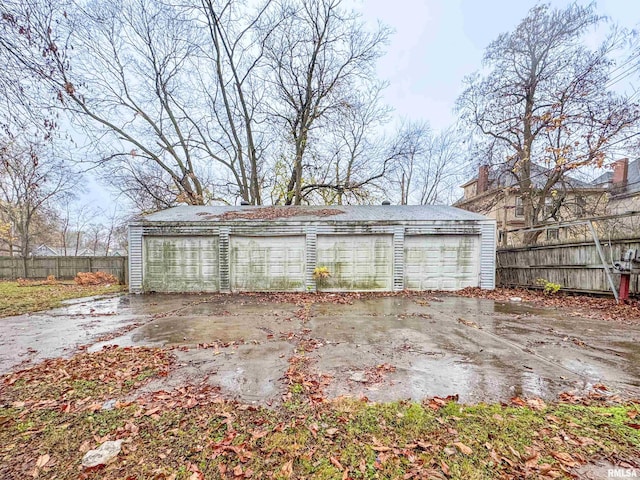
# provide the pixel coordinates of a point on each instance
(439, 345)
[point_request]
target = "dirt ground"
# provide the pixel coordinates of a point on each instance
(385, 348)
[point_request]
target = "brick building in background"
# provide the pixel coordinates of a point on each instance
(495, 192)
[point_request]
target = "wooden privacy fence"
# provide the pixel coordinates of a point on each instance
(63, 268)
(575, 266)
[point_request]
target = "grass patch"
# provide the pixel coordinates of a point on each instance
(16, 300)
(225, 440)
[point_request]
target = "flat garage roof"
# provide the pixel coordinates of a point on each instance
(328, 213)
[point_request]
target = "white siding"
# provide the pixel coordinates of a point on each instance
(135, 258)
(267, 263)
(181, 264)
(488, 256)
(441, 262)
(356, 262)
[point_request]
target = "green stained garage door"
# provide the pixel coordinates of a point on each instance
(356, 262)
(441, 262)
(262, 264)
(181, 264)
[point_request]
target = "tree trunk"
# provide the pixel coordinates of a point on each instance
(298, 186)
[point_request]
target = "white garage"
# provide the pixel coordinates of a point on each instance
(441, 262)
(357, 262)
(364, 248)
(181, 264)
(263, 264)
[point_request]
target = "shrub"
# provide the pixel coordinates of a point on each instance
(321, 273)
(549, 288)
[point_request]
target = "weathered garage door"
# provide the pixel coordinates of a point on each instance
(180, 264)
(441, 262)
(356, 262)
(261, 264)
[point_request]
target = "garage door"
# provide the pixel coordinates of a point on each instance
(261, 264)
(441, 262)
(356, 262)
(180, 264)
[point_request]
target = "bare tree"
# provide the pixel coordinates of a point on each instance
(429, 165)
(415, 138)
(163, 88)
(233, 35)
(442, 168)
(317, 56)
(545, 98)
(187, 102)
(349, 156)
(116, 220)
(30, 181)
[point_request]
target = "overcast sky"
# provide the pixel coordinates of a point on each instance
(437, 42)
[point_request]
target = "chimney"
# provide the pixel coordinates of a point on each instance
(483, 179)
(620, 171)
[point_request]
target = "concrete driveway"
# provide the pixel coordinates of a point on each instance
(384, 348)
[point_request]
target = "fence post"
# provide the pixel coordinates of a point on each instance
(125, 269)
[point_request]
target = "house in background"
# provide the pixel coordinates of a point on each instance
(495, 193)
(623, 185)
(45, 250)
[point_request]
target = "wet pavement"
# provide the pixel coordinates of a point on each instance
(384, 348)
(29, 338)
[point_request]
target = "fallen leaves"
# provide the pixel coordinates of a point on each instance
(445, 468)
(576, 305)
(462, 448)
(85, 380)
(42, 461)
(378, 373)
(229, 440)
(287, 469)
(565, 459)
(533, 403)
(468, 323)
(196, 472)
(95, 278)
(298, 376)
(531, 457)
(380, 448)
(436, 403)
(272, 213)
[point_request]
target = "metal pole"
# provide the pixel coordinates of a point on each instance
(604, 262)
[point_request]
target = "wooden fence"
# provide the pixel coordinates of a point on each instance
(575, 266)
(63, 268)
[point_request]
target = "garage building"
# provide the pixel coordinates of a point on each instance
(364, 248)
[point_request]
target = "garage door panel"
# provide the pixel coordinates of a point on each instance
(181, 264)
(356, 262)
(441, 262)
(267, 263)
